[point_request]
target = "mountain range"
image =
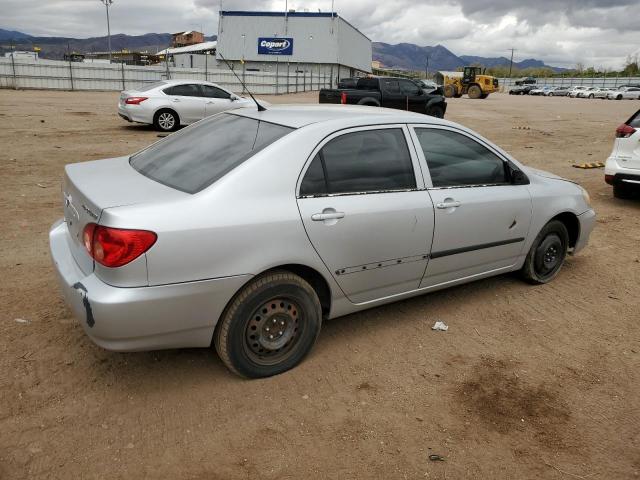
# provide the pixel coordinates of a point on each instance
(405, 56)
(413, 57)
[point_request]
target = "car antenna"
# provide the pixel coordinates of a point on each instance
(260, 107)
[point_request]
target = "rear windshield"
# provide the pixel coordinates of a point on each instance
(634, 121)
(150, 86)
(196, 157)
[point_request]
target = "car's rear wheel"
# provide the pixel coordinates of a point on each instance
(620, 190)
(166, 120)
(619, 97)
(547, 254)
(550, 94)
(591, 95)
(269, 326)
(435, 111)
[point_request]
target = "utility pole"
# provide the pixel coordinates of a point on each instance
(107, 4)
(426, 68)
(511, 62)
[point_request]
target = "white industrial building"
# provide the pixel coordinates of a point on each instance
(320, 44)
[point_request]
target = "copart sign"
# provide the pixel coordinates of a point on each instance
(275, 46)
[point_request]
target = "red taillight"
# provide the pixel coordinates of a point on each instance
(115, 247)
(343, 98)
(624, 131)
(135, 100)
(609, 179)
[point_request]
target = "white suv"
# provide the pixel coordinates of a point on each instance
(622, 169)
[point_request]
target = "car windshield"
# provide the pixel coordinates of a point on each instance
(198, 156)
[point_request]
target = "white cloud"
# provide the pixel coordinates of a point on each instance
(591, 32)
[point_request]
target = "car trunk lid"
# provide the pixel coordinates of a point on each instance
(91, 187)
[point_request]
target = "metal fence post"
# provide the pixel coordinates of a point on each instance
(71, 73)
(206, 69)
(13, 67)
(288, 78)
(124, 86)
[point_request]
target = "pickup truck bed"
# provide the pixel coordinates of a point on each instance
(389, 92)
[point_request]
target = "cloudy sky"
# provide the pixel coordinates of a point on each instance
(600, 33)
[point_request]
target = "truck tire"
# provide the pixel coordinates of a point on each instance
(369, 102)
(435, 111)
(450, 91)
(622, 191)
(474, 92)
(484, 95)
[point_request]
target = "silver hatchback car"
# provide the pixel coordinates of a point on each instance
(249, 228)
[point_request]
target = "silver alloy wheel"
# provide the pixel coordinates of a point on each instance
(166, 121)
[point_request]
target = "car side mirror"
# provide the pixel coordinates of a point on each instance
(233, 98)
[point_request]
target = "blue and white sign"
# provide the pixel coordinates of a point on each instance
(275, 46)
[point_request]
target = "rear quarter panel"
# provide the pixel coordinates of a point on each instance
(245, 223)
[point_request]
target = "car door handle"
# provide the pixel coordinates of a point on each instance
(210, 102)
(448, 204)
(175, 99)
(319, 217)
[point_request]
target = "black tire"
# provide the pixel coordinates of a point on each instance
(547, 254)
(591, 96)
(474, 92)
(243, 338)
(450, 91)
(435, 111)
(619, 97)
(622, 191)
(484, 95)
(166, 120)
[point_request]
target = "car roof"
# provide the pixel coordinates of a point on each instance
(180, 81)
(300, 115)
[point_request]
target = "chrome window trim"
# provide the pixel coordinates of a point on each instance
(415, 163)
(427, 175)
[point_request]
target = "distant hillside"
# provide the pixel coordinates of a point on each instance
(403, 55)
(56, 47)
(412, 57)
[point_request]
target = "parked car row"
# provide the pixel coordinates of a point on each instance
(622, 92)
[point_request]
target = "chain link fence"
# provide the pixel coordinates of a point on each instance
(611, 81)
(60, 75)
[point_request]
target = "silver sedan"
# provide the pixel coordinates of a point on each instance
(169, 104)
(248, 229)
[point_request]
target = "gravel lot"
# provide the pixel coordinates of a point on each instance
(529, 382)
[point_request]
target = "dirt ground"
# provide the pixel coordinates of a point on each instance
(529, 382)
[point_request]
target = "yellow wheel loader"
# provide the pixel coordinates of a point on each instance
(472, 81)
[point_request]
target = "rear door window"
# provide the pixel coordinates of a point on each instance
(194, 158)
(187, 90)
(361, 162)
(634, 121)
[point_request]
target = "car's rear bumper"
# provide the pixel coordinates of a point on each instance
(587, 222)
(140, 318)
(134, 113)
(615, 172)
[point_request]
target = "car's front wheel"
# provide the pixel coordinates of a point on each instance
(435, 111)
(166, 120)
(547, 254)
(269, 326)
